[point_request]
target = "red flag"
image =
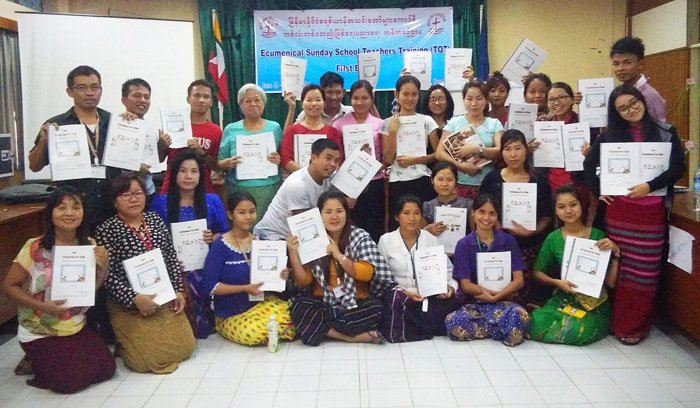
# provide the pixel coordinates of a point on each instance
(217, 65)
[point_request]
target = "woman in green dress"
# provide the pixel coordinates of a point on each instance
(549, 324)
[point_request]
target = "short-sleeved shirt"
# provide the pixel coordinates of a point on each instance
(208, 135)
(228, 150)
(298, 192)
(549, 259)
(344, 111)
(486, 133)
(655, 103)
(217, 221)
(287, 149)
(414, 171)
(376, 124)
(457, 202)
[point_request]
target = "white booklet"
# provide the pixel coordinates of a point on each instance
(594, 105)
(551, 150)
(368, 67)
(302, 148)
(411, 139)
(356, 173)
(455, 222)
(585, 265)
(493, 270)
(355, 136)
(292, 73)
(420, 65)
(189, 243)
(526, 58)
(522, 116)
(150, 150)
(623, 165)
(456, 61)
(313, 239)
(253, 151)
(268, 260)
(520, 205)
(125, 144)
(148, 275)
(177, 123)
(69, 154)
(73, 275)
(431, 270)
(575, 135)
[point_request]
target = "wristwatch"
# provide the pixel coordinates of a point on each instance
(481, 150)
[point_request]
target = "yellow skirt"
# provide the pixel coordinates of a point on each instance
(250, 327)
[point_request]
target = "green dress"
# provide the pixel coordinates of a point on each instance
(552, 326)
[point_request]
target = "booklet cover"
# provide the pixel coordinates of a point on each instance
(493, 270)
(148, 275)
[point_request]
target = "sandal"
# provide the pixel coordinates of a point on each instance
(377, 337)
(24, 367)
(630, 341)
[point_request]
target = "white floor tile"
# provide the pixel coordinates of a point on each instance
(185, 386)
(104, 389)
(508, 378)
(83, 402)
(136, 388)
(647, 393)
(575, 362)
(291, 383)
(427, 380)
(684, 392)
(528, 348)
(665, 404)
(125, 402)
(390, 398)
(258, 384)
(296, 399)
(549, 377)
(434, 397)
(211, 401)
(385, 366)
(603, 393)
(432, 365)
(488, 347)
(264, 369)
(168, 401)
(190, 371)
(302, 368)
(562, 350)
(629, 376)
(30, 402)
(340, 366)
(561, 394)
(254, 400)
(612, 360)
(591, 376)
(649, 360)
(385, 351)
(218, 385)
(670, 375)
(383, 381)
(338, 399)
(476, 397)
(339, 382)
(225, 370)
(498, 363)
(462, 364)
(305, 354)
(518, 395)
(536, 363)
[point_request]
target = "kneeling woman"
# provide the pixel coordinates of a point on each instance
(340, 293)
(65, 355)
(226, 276)
(549, 325)
(489, 313)
(149, 337)
(406, 318)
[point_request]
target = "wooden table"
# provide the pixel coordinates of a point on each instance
(18, 223)
(682, 290)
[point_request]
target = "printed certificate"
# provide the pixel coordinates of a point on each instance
(177, 123)
(575, 135)
(585, 265)
(313, 239)
(73, 275)
(551, 150)
(125, 144)
(520, 205)
(292, 73)
(420, 65)
(368, 67)
(493, 270)
(355, 136)
(69, 154)
(623, 165)
(594, 105)
(526, 58)
(268, 260)
(253, 151)
(411, 139)
(455, 222)
(302, 148)
(522, 116)
(431, 271)
(189, 243)
(148, 275)
(356, 173)
(456, 61)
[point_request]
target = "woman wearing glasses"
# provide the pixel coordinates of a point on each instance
(636, 221)
(150, 337)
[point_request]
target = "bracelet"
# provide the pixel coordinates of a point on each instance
(616, 257)
(343, 260)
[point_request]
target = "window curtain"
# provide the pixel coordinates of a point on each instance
(11, 94)
(238, 38)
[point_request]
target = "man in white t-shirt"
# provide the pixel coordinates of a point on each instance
(300, 191)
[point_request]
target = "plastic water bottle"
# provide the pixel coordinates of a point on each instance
(273, 335)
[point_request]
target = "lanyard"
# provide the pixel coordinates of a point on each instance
(479, 243)
(93, 148)
(411, 254)
(147, 242)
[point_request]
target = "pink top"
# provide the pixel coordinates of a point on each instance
(648, 200)
(376, 123)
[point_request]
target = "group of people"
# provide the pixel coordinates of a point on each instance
(364, 289)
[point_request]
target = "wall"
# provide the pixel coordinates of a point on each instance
(662, 28)
(577, 35)
(8, 8)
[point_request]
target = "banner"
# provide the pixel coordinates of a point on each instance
(331, 40)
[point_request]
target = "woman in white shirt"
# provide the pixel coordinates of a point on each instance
(407, 315)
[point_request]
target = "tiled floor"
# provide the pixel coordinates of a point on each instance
(438, 373)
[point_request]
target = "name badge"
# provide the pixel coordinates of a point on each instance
(99, 172)
(338, 291)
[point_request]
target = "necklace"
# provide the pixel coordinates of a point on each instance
(238, 244)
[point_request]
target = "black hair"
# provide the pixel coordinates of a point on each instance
(483, 198)
(497, 79)
(618, 129)
(322, 144)
(48, 240)
(311, 87)
(84, 70)
(237, 198)
(344, 240)
(331, 78)
(538, 76)
(628, 45)
(564, 86)
(122, 183)
(512, 136)
(442, 165)
(481, 86)
(567, 188)
(200, 82)
(362, 84)
(173, 199)
(134, 82)
(449, 110)
(406, 199)
(406, 79)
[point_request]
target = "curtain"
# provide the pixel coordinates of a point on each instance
(11, 94)
(238, 38)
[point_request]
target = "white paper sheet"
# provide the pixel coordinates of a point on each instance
(272, 168)
(150, 150)
(148, 275)
(456, 61)
(585, 265)
(253, 151)
(493, 270)
(551, 150)
(302, 148)
(69, 154)
(455, 221)
(313, 239)
(292, 73)
(73, 275)
(355, 136)
(177, 123)
(431, 270)
(368, 65)
(575, 135)
(411, 139)
(516, 95)
(680, 251)
(522, 116)
(420, 65)
(526, 58)
(594, 105)
(623, 165)
(268, 259)
(356, 173)
(189, 243)
(520, 205)
(125, 144)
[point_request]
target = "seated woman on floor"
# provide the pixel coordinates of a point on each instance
(65, 355)
(340, 294)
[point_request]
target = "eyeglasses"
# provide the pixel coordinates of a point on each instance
(437, 100)
(127, 196)
(560, 99)
(84, 88)
(625, 109)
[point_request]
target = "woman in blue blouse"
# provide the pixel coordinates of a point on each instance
(226, 276)
(187, 201)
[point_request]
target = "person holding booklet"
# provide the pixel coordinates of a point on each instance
(488, 313)
(439, 105)
(499, 88)
(637, 219)
(64, 355)
(549, 324)
(150, 338)
(226, 277)
(251, 100)
(406, 318)
(475, 97)
(535, 91)
(312, 101)
(368, 212)
(333, 109)
(340, 294)
(444, 179)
